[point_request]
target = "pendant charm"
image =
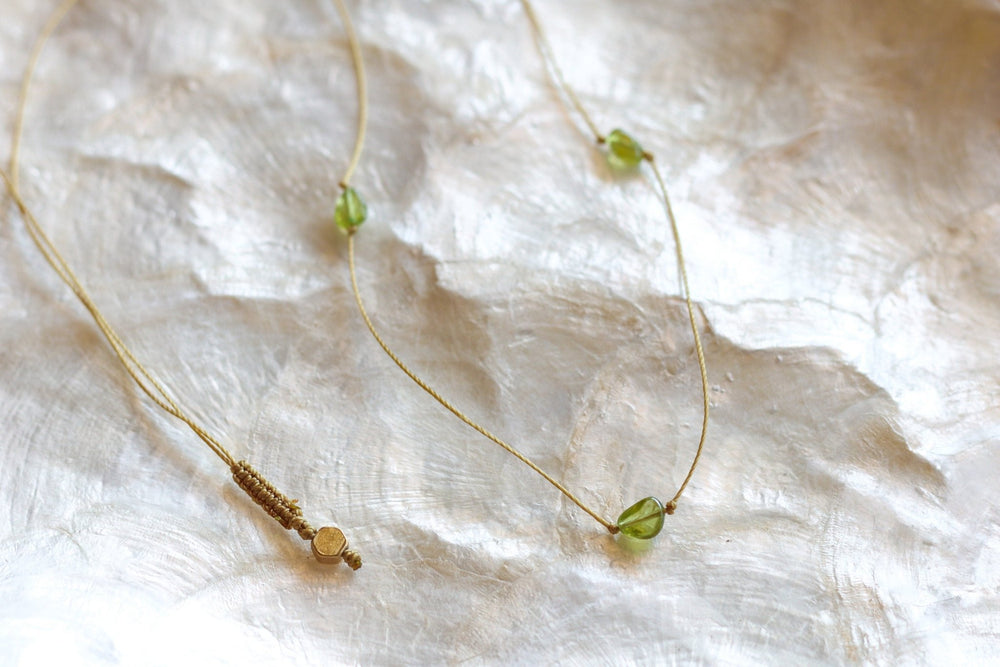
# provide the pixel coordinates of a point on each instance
(643, 520)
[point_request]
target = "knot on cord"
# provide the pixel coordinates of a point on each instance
(274, 502)
(352, 559)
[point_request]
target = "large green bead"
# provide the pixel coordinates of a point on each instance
(643, 521)
(624, 152)
(350, 210)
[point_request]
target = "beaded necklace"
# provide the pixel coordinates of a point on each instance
(644, 519)
(328, 543)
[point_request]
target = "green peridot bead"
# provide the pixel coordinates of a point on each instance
(624, 152)
(642, 521)
(350, 210)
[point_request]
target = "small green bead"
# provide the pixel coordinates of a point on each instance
(350, 210)
(642, 521)
(624, 152)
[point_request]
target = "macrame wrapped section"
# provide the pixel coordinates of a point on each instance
(328, 544)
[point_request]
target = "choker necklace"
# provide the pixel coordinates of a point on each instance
(328, 543)
(644, 519)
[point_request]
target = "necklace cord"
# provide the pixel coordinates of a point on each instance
(149, 385)
(450, 407)
(285, 511)
(22, 94)
(361, 81)
(575, 102)
(672, 504)
(362, 88)
(553, 66)
(561, 83)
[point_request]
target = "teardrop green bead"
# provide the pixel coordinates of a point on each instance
(624, 152)
(350, 210)
(643, 521)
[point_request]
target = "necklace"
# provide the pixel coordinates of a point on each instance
(328, 543)
(644, 519)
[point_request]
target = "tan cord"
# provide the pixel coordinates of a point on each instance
(362, 87)
(560, 79)
(285, 511)
(672, 504)
(156, 392)
(560, 82)
(550, 59)
(362, 84)
(139, 373)
(22, 97)
(447, 404)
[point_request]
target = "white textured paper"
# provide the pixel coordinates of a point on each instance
(834, 167)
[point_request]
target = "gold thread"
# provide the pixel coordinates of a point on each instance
(612, 528)
(550, 60)
(575, 102)
(362, 120)
(22, 96)
(361, 81)
(276, 504)
(672, 504)
(156, 392)
(560, 82)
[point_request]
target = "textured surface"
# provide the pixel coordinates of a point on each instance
(834, 168)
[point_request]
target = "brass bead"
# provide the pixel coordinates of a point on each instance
(329, 544)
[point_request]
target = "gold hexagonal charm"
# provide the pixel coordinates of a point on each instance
(329, 544)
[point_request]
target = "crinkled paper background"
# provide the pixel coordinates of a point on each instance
(834, 166)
